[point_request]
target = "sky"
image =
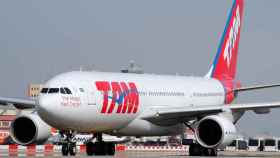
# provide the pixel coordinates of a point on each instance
(40, 39)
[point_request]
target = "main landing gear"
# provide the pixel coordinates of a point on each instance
(100, 147)
(68, 145)
(198, 150)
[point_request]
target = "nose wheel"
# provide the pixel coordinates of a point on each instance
(100, 147)
(68, 145)
(69, 149)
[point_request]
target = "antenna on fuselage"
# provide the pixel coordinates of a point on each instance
(133, 68)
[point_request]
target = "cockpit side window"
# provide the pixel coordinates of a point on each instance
(44, 90)
(81, 90)
(62, 91)
(68, 91)
(53, 90)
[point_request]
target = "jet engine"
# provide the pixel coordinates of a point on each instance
(29, 129)
(215, 132)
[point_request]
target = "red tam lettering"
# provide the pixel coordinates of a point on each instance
(125, 93)
(104, 87)
(134, 98)
(116, 94)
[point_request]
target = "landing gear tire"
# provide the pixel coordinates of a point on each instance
(198, 150)
(195, 150)
(100, 147)
(72, 149)
(68, 145)
(64, 150)
(111, 149)
(214, 152)
(90, 148)
(69, 148)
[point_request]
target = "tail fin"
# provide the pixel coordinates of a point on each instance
(225, 63)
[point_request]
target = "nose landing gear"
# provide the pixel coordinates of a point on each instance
(99, 147)
(69, 148)
(68, 145)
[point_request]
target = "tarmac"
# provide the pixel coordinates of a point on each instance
(135, 154)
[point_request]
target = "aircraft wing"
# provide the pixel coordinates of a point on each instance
(167, 116)
(18, 103)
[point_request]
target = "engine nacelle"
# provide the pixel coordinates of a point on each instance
(215, 132)
(29, 129)
(262, 111)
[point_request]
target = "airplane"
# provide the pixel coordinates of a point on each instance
(123, 104)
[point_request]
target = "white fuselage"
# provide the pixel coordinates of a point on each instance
(85, 110)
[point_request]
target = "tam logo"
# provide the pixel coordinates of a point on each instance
(233, 34)
(123, 94)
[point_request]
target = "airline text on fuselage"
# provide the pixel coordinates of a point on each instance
(123, 94)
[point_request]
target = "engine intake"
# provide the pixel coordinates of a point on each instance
(215, 132)
(29, 129)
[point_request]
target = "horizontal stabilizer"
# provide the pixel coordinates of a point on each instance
(243, 89)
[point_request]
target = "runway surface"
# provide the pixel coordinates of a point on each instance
(161, 154)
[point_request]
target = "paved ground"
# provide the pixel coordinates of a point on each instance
(165, 154)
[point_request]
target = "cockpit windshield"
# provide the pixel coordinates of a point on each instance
(62, 90)
(53, 90)
(44, 90)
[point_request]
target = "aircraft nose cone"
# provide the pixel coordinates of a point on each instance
(46, 106)
(43, 103)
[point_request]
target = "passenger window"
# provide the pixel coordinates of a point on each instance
(53, 90)
(44, 90)
(68, 91)
(81, 90)
(62, 91)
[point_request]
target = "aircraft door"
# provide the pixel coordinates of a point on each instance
(87, 94)
(91, 96)
(189, 96)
